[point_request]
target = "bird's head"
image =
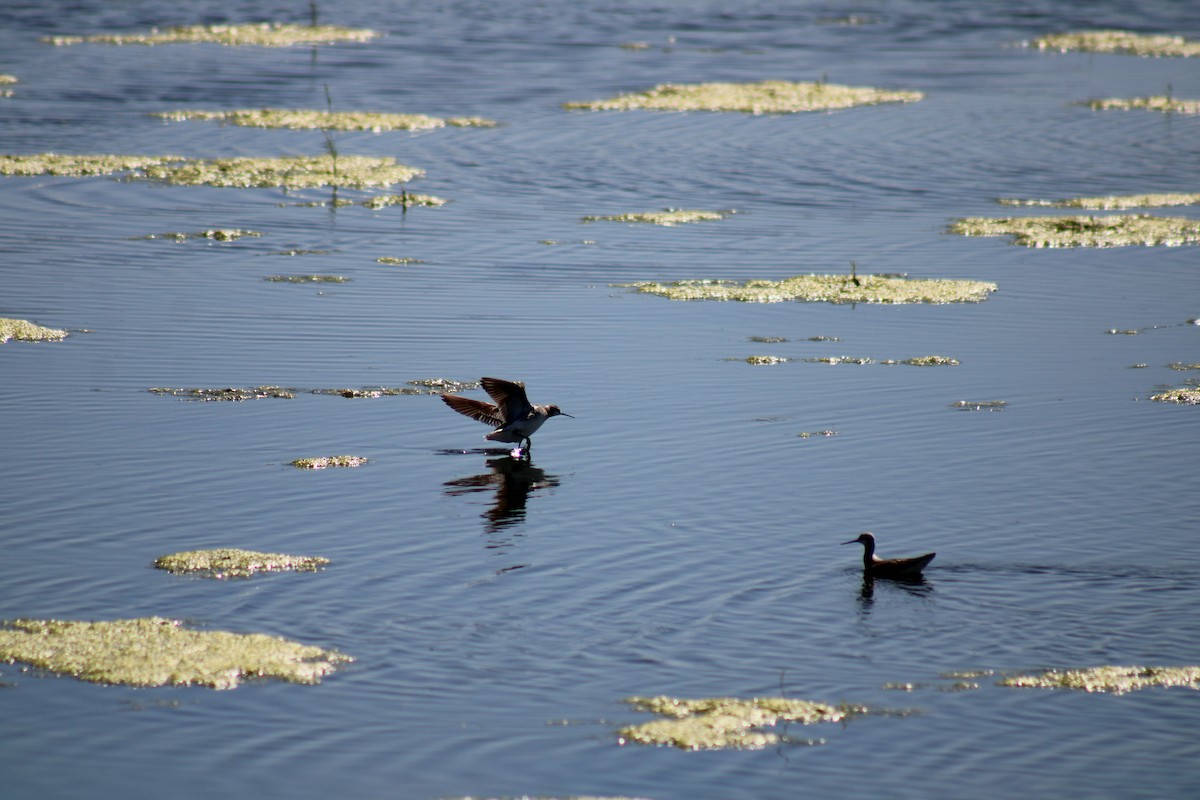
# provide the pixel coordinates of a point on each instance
(863, 538)
(555, 411)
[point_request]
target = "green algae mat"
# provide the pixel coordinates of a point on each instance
(1184, 396)
(1118, 41)
(1113, 202)
(306, 279)
(214, 234)
(291, 172)
(885, 289)
(1114, 679)
(76, 165)
(153, 651)
(308, 119)
(1118, 230)
(325, 462)
(667, 218)
(230, 562)
(260, 34)
(725, 722)
(766, 97)
(25, 331)
(419, 386)
(230, 393)
(1163, 103)
(405, 200)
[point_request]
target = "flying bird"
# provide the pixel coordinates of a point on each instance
(514, 418)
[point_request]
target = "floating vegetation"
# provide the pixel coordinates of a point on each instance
(216, 234)
(324, 462)
(1117, 680)
(839, 360)
(309, 119)
(1117, 41)
(76, 165)
(471, 122)
(424, 386)
(1184, 395)
(767, 97)
(405, 200)
(292, 172)
(153, 651)
(1179, 366)
(668, 217)
(926, 361)
(1165, 104)
(768, 339)
(825, 288)
(725, 722)
(300, 252)
(7, 80)
(958, 686)
(1122, 332)
(398, 262)
(350, 393)
(421, 386)
(231, 394)
(443, 385)
(25, 331)
(1118, 230)
(262, 34)
(234, 563)
(1113, 202)
(765, 361)
(306, 279)
(815, 434)
(979, 405)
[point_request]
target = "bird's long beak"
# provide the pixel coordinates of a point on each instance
(565, 414)
(852, 541)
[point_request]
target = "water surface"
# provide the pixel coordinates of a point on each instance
(678, 536)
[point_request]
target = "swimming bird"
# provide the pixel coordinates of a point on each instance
(877, 567)
(513, 416)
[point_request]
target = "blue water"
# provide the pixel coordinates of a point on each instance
(677, 536)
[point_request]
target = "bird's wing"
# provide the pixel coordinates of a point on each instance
(509, 396)
(475, 409)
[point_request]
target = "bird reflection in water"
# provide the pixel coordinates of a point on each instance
(513, 480)
(915, 585)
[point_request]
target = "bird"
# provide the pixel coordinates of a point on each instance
(513, 416)
(877, 567)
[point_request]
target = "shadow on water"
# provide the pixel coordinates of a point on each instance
(513, 480)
